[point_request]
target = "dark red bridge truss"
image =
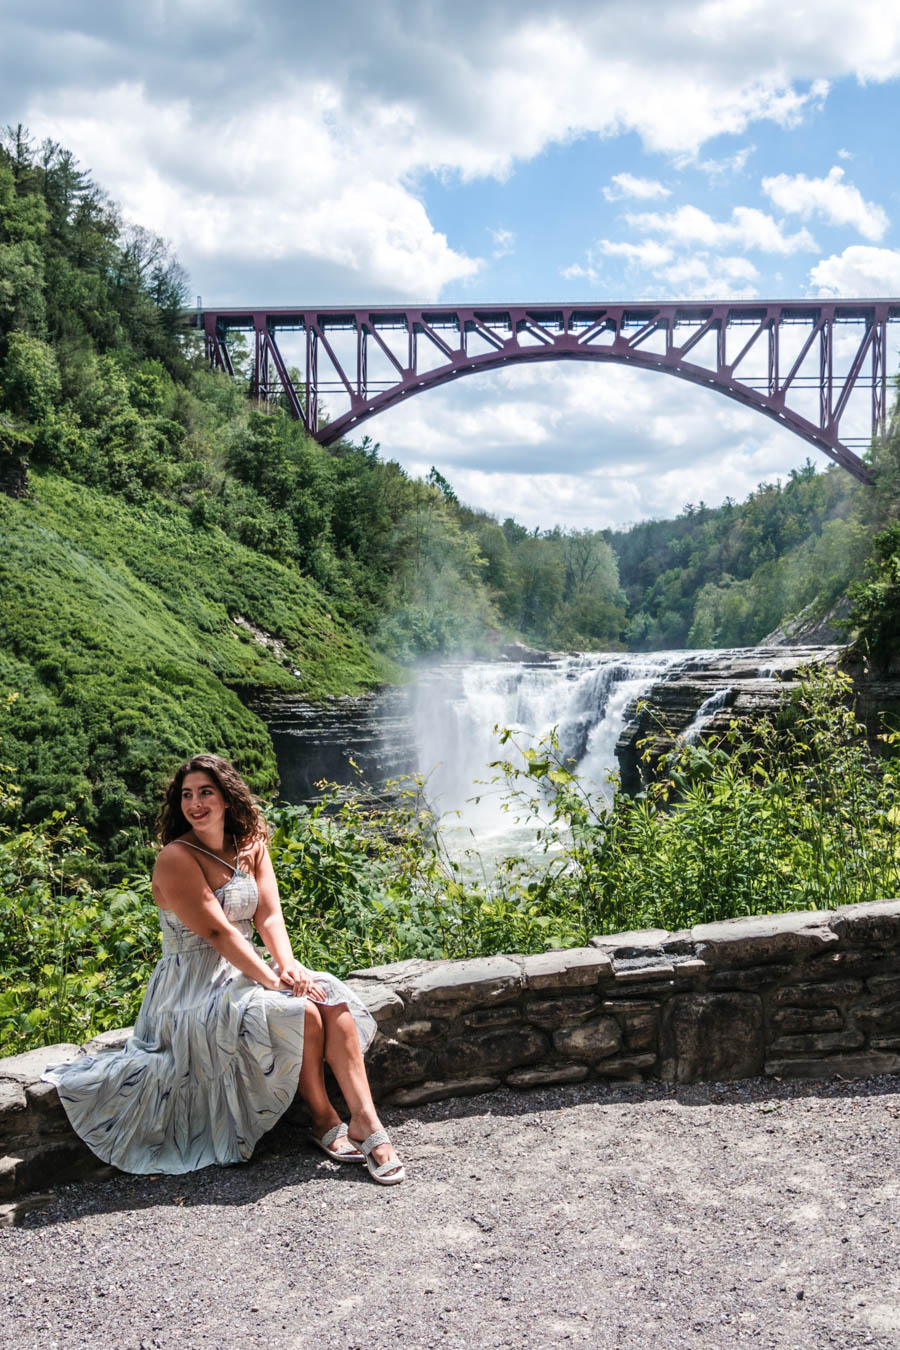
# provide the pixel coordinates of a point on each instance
(797, 361)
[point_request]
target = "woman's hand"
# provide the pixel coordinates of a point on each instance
(301, 982)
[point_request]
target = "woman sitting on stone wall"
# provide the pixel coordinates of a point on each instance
(224, 1036)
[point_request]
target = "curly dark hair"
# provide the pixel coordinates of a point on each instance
(243, 818)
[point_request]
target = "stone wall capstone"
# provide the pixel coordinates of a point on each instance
(790, 995)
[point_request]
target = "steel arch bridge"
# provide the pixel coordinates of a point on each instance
(797, 361)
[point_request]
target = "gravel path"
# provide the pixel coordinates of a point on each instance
(630, 1217)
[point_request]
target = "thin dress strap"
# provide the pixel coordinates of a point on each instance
(224, 861)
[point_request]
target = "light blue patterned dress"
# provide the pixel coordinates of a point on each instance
(213, 1062)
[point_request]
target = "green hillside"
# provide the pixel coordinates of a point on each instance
(726, 576)
(128, 633)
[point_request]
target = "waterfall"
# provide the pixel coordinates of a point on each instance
(455, 709)
(708, 708)
(441, 725)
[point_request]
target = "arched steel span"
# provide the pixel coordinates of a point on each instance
(734, 347)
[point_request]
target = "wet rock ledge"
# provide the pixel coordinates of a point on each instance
(791, 995)
(743, 685)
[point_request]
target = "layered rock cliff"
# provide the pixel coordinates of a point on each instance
(704, 695)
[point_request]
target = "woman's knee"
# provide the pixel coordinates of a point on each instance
(341, 1040)
(314, 1026)
(337, 1018)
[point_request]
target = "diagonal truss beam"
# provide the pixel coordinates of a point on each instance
(797, 361)
(217, 354)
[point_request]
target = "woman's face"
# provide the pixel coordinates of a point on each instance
(202, 802)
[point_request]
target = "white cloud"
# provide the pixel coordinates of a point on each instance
(751, 228)
(748, 228)
(690, 275)
(597, 450)
(684, 225)
(582, 271)
(324, 207)
(636, 485)
(830, 198)
(703, 276)
(466, 66)
(504, 241)
(859, 271)
(647, 254)
(726, 166)
(234, 138)
(688, 261)
(626, 185)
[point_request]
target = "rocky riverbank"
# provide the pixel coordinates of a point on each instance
(704, 695)
(363, 739)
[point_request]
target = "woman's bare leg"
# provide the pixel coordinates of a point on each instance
(312, 1076)
(344, 1056)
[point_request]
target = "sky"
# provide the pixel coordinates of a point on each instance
(497, 151)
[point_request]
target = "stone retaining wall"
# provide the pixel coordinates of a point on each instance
(792, 995)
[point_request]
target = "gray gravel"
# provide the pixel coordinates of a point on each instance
(625, 1216)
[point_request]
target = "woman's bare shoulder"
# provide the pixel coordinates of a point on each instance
(172, 858)
(177, 873)
(254, 852)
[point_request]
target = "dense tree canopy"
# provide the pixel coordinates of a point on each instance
(729, 575)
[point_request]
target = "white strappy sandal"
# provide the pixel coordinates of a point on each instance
(388, 1173)
(330, 1137)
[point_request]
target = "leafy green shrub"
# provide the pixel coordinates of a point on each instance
(876, 599)
(30, 383)
(367, 882)
(78, 955)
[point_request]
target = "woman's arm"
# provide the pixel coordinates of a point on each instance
(179, 881)
(269, 922)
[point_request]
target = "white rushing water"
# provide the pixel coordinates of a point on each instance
(707, 710)
(457, 707)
